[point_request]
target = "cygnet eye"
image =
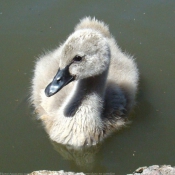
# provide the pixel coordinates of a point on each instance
(77, 58)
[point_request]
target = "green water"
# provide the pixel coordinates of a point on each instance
(145, 29)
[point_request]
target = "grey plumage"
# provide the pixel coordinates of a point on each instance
(98, 101)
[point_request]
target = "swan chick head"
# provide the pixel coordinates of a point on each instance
(84, 54)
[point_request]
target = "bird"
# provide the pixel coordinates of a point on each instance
(84, 90)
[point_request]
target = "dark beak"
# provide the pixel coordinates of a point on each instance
(61, 79)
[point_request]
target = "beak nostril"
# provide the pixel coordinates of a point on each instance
(58, 79)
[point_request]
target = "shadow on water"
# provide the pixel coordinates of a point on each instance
(143, 106)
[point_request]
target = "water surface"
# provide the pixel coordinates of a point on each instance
(145, 29)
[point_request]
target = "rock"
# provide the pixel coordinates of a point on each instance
(45, 172)
(155, 170)
(151, 170)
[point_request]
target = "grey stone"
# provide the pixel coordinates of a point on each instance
(151, 170)
(155, 170)
(61, 172)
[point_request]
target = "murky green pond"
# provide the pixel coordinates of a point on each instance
(145, 29)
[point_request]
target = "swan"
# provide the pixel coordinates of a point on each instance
(84, 90)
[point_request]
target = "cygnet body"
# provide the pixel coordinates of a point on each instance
(84, 89)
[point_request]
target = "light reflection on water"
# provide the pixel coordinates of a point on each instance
(144, 29)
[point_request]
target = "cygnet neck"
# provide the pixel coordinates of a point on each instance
(87, 92)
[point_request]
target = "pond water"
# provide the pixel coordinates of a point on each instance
(145, 29)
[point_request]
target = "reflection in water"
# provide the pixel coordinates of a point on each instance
(84, 157)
